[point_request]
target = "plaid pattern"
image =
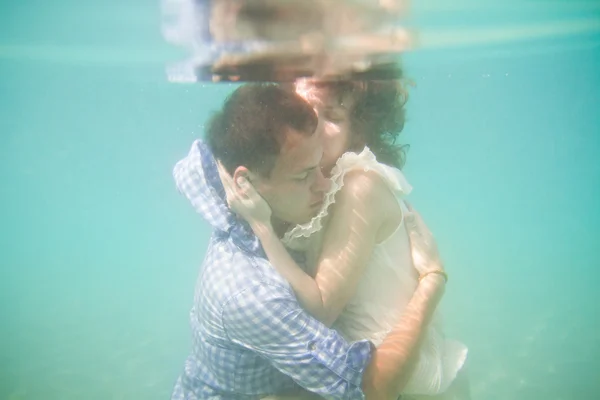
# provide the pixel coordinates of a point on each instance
(251, 338)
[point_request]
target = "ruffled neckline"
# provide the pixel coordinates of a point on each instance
(350, 161)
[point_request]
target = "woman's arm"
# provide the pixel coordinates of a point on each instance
(306, 288)
(247, 202)
(361, 208)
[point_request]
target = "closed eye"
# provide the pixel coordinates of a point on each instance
(334, 115)
(302, 178)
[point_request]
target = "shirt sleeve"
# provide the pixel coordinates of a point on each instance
(267, 319)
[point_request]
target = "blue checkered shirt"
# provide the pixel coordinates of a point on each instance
(251, 338)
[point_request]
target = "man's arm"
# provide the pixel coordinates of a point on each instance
(385, 376)
(267, 319)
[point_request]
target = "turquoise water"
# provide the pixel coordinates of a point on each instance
(99, 253)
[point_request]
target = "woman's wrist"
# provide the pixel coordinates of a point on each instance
(262, 230)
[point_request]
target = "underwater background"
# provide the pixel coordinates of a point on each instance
(99, 253)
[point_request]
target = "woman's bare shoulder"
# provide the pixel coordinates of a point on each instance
(367, 190)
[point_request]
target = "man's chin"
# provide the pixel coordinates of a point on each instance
(291, 221)
(303, 220)
(308, 218)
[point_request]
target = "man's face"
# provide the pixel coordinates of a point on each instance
(296, 186)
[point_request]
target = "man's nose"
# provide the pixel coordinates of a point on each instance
(322, 184)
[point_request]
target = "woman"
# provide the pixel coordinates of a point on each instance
(361, 261)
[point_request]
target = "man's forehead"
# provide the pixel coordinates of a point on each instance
(299, 152)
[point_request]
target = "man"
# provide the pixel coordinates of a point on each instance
(251, 338)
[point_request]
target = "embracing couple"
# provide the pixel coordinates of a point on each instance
(320, 280)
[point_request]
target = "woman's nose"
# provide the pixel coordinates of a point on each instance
(322, 183)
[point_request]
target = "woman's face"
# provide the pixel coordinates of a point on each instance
(334, 121)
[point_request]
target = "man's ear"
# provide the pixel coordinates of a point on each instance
(243, 173)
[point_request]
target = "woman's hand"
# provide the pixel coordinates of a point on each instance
(243, 199)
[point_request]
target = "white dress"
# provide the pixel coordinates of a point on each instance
(387, 285)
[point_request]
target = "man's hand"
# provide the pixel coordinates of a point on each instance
(425, 253)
